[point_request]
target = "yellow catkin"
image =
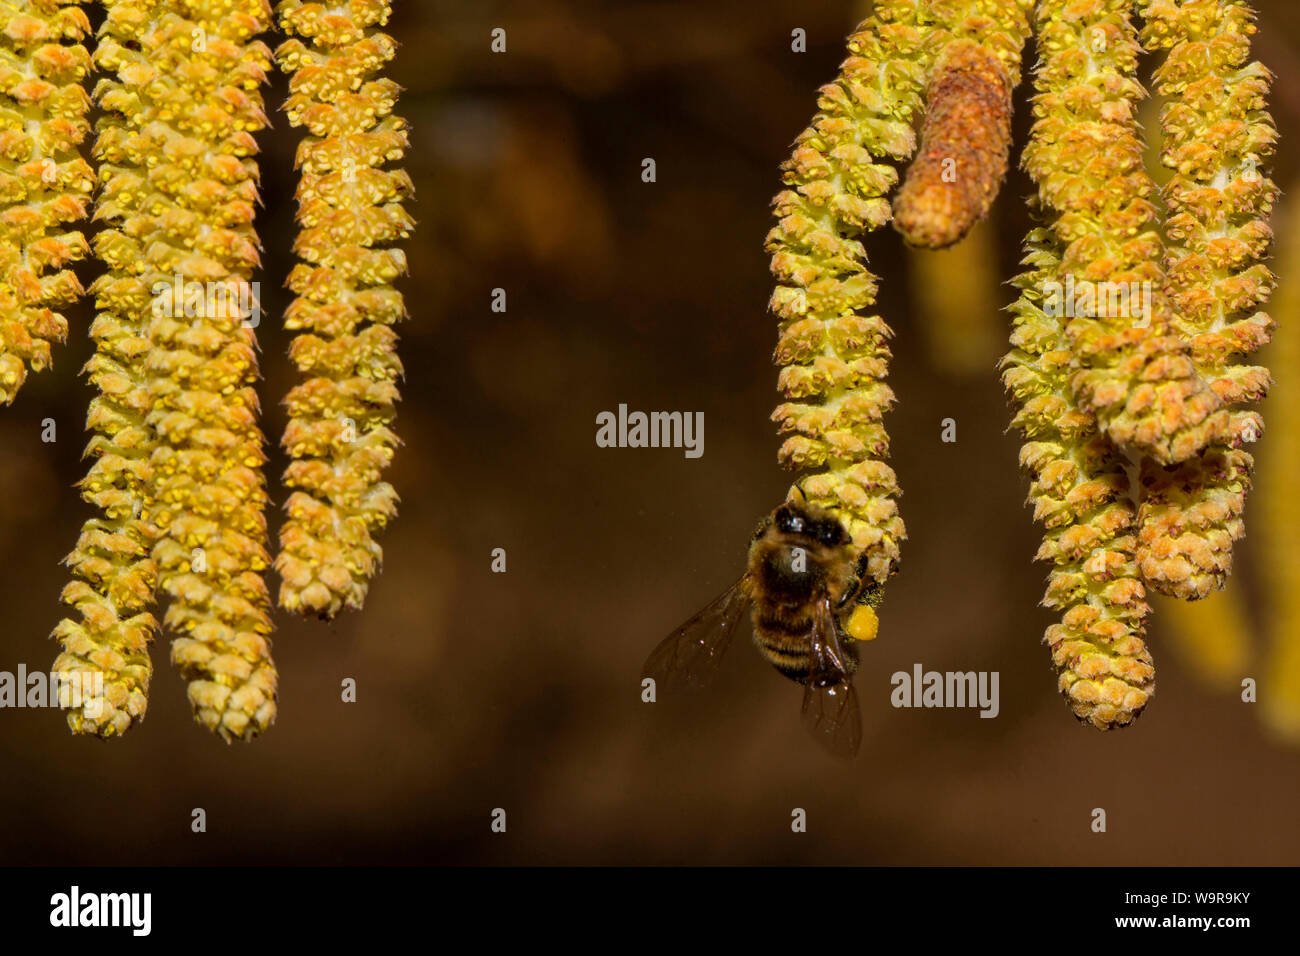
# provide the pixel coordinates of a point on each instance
(1279, 505)
(1218, 138)
(177, 162)
(1135, 373)
(956, 296)
(1084, 156)
(45, 185)
(1213, 636)
(834, 354)
(106, 645)
(351, 213)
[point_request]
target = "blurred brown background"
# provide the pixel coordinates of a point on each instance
(520, 690)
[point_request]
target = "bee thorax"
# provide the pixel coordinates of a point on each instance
(791, 574)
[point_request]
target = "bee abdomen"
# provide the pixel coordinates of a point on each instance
(793, 623)
(782, 639)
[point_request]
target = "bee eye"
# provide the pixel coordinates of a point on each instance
(789, 522)
(829, 534)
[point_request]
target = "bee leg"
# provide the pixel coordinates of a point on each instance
(831, 662)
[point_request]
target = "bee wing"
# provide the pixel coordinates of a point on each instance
(830, 661)
(830, 704)
(689, 656)
(831, 715)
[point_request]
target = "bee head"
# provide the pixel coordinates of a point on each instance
(821, 529)
(795, 555)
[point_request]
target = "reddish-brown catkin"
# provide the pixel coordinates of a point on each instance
(965, 141)
(351, 212)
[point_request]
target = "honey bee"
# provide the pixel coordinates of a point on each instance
(802, 580)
